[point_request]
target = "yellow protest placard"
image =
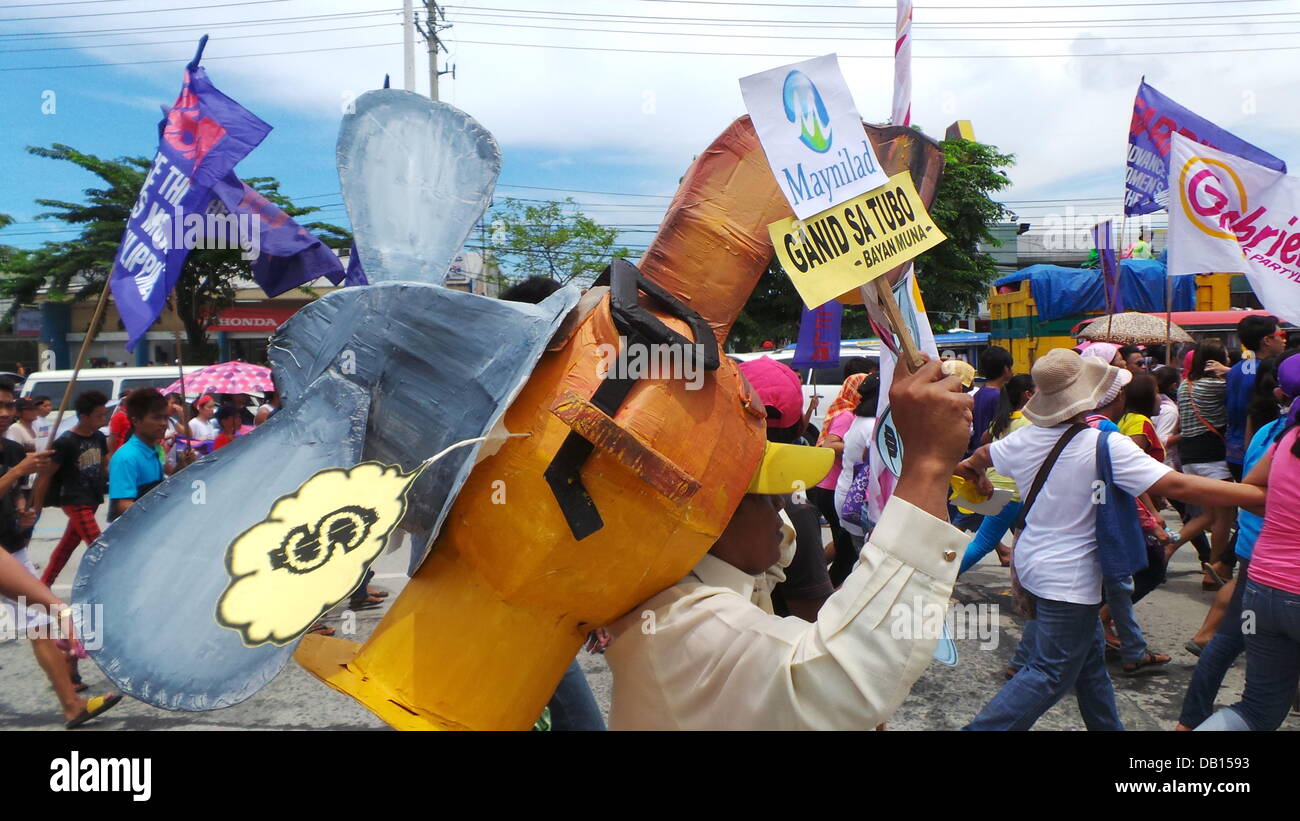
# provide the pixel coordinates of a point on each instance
(851, 244)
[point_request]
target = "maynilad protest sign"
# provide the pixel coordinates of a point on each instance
(1234, 215)
(812, 135)
(855, 242)
(1156, 118)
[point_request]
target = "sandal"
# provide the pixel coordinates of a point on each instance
(1193, 647)
(367, 603)
(320, 628)
(1149, 660)
(95, 707)
(377, 592)
(1210, 571)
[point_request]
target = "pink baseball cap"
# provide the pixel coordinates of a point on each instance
(778, 386)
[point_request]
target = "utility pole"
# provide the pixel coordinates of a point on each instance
(435, 20)
(408, 45)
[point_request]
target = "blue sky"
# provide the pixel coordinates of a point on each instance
(596, 96)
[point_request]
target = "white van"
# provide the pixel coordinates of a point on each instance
(111, 382)
(825, 382)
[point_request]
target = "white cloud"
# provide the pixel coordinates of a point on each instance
(1066, 118)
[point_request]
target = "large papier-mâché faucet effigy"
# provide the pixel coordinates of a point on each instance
(608, 489)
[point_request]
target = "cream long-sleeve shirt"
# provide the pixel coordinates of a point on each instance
(701, 656)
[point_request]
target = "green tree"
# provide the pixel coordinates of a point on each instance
(552, 239)
(954, 275)
(208, 281)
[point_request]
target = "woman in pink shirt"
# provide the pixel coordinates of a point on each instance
(1273, 595)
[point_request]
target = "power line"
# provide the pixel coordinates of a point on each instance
(205, 7)
(66, 3)
(1033, 7)
(890, 24)
(884, 56)
(843, 38)
(87, 47)
(28, 35)
(206, 58)
(581, 191)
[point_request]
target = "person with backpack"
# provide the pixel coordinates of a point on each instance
(78, 484)
(1084, 487)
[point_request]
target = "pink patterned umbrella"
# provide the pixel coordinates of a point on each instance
(225, 377)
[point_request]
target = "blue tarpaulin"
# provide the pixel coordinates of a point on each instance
(1060, 292)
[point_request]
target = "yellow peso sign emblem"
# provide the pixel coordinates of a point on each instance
(311, 551)
(851, 244)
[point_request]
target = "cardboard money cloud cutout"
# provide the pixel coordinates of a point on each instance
(291, 568)
(315, 547)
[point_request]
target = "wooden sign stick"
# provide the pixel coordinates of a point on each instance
(881, 292)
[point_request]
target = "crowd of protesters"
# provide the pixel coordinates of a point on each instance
(1178, 454)
(1212, 442)
(120, 458)
(1095, 450)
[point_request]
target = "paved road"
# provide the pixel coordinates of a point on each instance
(945, 698)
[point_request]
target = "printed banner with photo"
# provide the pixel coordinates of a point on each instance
(812, 135)
(1234, 215)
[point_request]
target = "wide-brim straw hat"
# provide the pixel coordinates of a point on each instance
(1066, 384)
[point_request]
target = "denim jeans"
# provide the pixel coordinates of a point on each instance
(1064, 650)
(573, 707)
(1216, 658)
(1021, 656)
(1119, 595)
(1272, 662)
(991, 531)
(845, 558)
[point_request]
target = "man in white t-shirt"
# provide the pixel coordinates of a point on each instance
(1055, 556)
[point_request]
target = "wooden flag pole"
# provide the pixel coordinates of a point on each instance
(81, 357)
(884, 296)
(1169, 318)
(180, 366)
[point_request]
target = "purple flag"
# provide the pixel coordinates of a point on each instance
(356, 274)
(202, 137)
(1101, 240)
(288, 255)
(819, 337)
(1155, 118)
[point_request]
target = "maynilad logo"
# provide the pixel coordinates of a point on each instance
(804, 106)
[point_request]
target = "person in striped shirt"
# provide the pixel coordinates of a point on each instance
(1203, 419)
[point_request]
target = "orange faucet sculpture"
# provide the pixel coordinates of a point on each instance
(621, 484)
